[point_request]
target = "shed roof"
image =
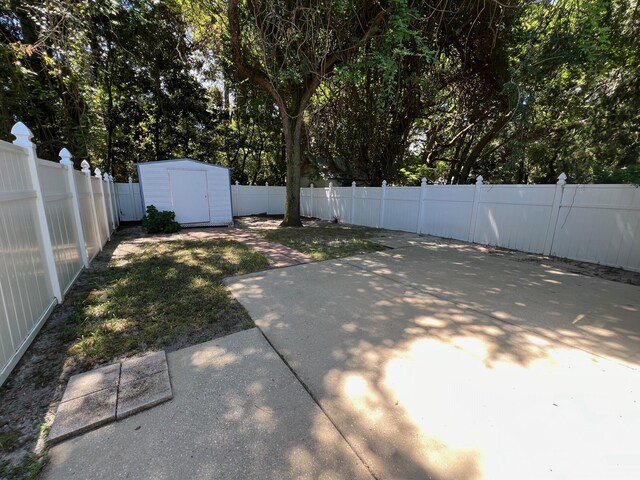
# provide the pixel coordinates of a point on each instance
(181, 160)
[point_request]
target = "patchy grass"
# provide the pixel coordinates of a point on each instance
(9, 440)
(141, 293)
(326, 241)
(168, 295)
(28, 469)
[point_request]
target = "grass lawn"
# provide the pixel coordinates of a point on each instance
(168, 295)
(163, 293)
(323, 241)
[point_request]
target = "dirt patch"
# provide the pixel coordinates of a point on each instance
(570, 266)
(272, 222)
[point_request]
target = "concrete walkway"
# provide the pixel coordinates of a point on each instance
(443, 362)
(237, 413)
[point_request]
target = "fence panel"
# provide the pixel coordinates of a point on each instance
(60, 221)
(447, 210)
(401, 205)
(25, 291)
(275, 200)
(305, 202)
(514, 216)
(321, 204)
(367, 206)
(99, 205)
(108, 206)
(129, 201)
(599, 223)
(87, 214)
(250, 200)
(341, 204)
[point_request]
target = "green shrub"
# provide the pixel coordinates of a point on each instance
(159, 222)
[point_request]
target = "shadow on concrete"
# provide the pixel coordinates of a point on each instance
(431, 370)
(237, 412)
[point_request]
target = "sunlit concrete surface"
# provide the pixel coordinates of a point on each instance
(449, 364)
(237, 413)
(599, 316)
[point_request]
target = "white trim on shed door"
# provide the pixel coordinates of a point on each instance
(189, 195)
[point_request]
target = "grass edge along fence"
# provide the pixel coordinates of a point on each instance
(53, 221)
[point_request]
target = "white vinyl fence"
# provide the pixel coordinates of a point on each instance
(129, 201)
(592, 223)
(252, 200)
(53, 221)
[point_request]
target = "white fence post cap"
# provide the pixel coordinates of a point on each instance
(98, 172)
(65, 157)
(353, 184)
(85, 167)
(562, 179)
(266, 184)
(23, 135)
(384, 183)
(311, 185)
(330, 184)
(479, 180)
(111, 179)
(105, 176)
(423, 182)
(237, 182)
(130, 180)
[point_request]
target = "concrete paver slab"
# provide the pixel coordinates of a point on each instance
(83, 414)
(237, 413)
(93, 381)
(145, 392)
(425, 387)
(136, 369)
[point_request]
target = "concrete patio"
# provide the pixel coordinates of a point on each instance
(432, 360)
(442, 361)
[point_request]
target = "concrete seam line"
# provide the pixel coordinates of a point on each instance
(315, 400)
(486, 314)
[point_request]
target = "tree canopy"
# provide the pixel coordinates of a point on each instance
(286, 91)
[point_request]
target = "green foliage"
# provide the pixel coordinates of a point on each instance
(156, 221)
(518, 90)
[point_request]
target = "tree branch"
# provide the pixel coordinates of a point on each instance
(248, 71)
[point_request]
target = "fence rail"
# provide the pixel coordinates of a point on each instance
(53, 221)
(592, 223)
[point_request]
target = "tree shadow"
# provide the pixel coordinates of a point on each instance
(427, 379)
(237, 412)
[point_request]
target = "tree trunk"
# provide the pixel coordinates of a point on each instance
(293, 144)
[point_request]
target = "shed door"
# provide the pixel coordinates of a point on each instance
(189, 195)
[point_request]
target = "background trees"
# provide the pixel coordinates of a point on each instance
(517, 91)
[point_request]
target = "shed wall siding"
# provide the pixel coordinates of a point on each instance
(156, 187)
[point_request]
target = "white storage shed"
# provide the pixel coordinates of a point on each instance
(199, 193)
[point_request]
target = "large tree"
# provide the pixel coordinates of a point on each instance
(288, 48)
